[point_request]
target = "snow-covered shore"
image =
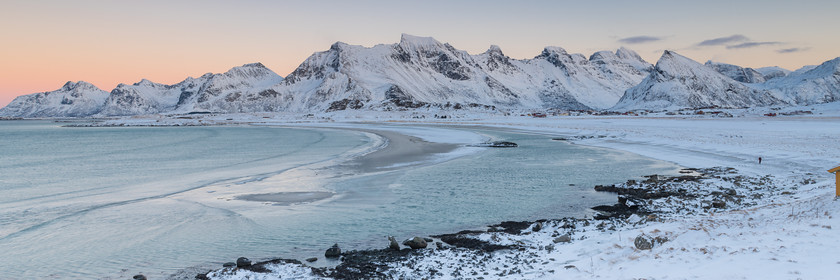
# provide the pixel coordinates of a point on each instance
(783, 227)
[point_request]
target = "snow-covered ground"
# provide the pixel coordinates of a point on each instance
(777, 223)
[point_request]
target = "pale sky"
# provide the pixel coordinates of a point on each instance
(47, 43)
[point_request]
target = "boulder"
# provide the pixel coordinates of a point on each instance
(229, 264)
(416, 243)
(393, 243)
(333, 252)
(720, 204)
(311, 259)
(643, 242)
(243, 262)
(139, 277)
(566, 238)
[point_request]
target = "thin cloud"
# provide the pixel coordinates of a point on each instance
(723, 40)
(752, 45)
(792, 50)
(639, 39)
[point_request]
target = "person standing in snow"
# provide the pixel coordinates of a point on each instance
(759, 160)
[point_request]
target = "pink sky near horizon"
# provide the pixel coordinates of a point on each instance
(47, 43)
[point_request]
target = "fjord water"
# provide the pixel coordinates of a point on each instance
(113, 202)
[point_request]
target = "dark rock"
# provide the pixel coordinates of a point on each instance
(537, 227)
(563, 238)
(463, 241)
(720, 204)
(139, 277)
(243, 262)
(333, 252)
(511, 227)
(367, 264)
(393, 243)
(497, 144)
(229, 264)
(643, 242)
(428, 239)
(416, 243)
(312, 259)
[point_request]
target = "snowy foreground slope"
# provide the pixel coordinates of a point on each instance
(740, 219)
(420, 72)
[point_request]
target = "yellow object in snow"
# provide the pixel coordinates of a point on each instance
(836, 172)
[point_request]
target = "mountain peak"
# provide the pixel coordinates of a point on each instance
(551, 49)
(625, 53)
(253, 65)
(411, 42)
(602, 55)
(144, 82)
(494, 49)
(70, 85)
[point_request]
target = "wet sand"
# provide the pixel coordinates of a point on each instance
(286, 198)
(401, 151)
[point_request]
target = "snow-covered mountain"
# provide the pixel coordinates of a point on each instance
(245, 88)
(772, 72)
(144, 97)
(679, 82)
(74, 99)
(738, 73)
(820, 84)
(421, 70)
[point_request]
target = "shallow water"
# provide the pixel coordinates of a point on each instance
(113, 202)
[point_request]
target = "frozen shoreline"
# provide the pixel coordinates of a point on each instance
(794, 243)
(787, 233)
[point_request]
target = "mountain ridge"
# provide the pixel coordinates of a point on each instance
(421, 72)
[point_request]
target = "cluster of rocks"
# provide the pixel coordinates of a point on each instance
(695, 190)
(496, 144)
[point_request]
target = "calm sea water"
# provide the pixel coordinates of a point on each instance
(114, 202)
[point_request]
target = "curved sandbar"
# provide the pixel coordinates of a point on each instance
(401, 150)
(286, 198)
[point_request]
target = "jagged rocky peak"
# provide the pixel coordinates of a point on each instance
(78, 86)
(738, 73)
(250, 70)
(496, 59)
(494, 50)
(603, 56)
(625, 53)
(411, 43)
(552, 50)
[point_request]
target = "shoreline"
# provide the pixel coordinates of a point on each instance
(785, 230)
(676, 231)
